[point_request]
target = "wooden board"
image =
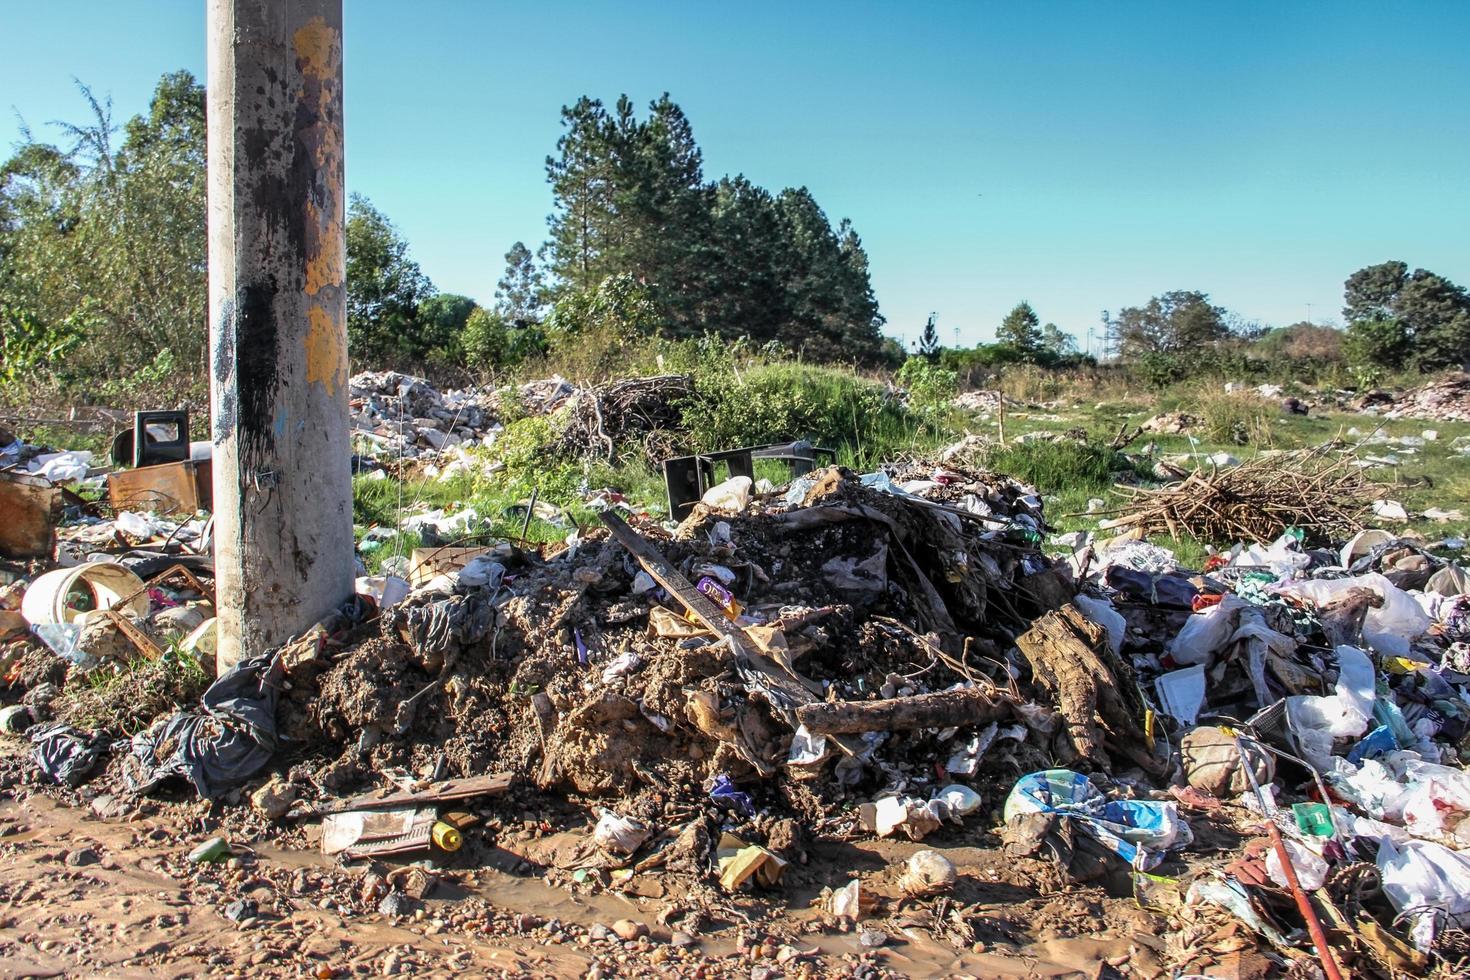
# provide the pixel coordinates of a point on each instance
(28, 517)
(441, 792)
(168, 488)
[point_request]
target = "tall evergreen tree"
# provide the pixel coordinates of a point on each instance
(520, 296)
(1021, 329)
(583, 187)
(928, 345)
(746, 292)
(631, 200)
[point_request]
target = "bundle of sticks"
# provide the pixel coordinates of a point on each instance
(605, 418)
(1320, 490)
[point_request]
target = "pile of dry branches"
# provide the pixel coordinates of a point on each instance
(1320, 490)
(609, 418)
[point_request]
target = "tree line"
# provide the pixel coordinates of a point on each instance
(103, 255)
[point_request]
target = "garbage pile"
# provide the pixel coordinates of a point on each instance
(846, 657)
(980, 401)
(584, 672)
(1336, 679)
(397, 416)
(1445, 400)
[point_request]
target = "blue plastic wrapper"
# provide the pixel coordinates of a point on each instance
(1138, 831)
(1380, 741)
(726, 795)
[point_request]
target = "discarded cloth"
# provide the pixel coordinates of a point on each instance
(65, 754)
(222, 744)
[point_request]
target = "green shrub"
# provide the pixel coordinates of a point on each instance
(929, 386)
(1374, 346)
(783, 402)
(1241, 417)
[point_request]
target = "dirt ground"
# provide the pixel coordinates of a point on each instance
(83, 896)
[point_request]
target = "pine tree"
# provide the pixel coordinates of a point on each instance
(928, 346)
(1021, 329)
(863, 321)
(583, 189)
(746, 292)
(520, 296)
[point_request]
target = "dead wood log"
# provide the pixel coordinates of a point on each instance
(1095, 692)
(941, 709)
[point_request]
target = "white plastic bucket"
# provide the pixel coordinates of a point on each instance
(107, 583)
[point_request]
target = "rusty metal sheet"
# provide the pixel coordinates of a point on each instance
(29, 514)
(168, 488)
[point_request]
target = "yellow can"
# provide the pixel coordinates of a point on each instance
(446, 836)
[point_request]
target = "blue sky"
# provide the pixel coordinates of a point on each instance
(1082, 156)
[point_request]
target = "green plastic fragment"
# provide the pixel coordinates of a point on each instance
(1313, 818)
(212, 851)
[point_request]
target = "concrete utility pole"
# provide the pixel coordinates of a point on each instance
(277, 320)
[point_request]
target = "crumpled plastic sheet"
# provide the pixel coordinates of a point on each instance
(1319, 721)
(230, 739)
(1138, 831)
(724, 793)
(65, 754)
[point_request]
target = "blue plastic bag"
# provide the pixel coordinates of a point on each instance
(1138, 831)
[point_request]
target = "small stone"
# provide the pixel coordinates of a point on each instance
(680, 940)
(628, 930)
(81, 857)
(242, 909)
(872, 938)
(274, 799)
(419, 883)
(599, 932)
(392, 964)
(396, 903)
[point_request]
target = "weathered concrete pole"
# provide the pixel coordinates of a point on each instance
(277, 322)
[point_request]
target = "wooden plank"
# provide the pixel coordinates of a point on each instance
(440, 792)
(28, 518)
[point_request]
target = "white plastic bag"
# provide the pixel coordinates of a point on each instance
(1101, 612)
(1206, 632)
(1318, 721)
(1311, 868)
(1428, 881)
(1389, 629)
(1436, 803)
(733, 494)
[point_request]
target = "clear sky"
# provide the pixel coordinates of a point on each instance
(1082, 156)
